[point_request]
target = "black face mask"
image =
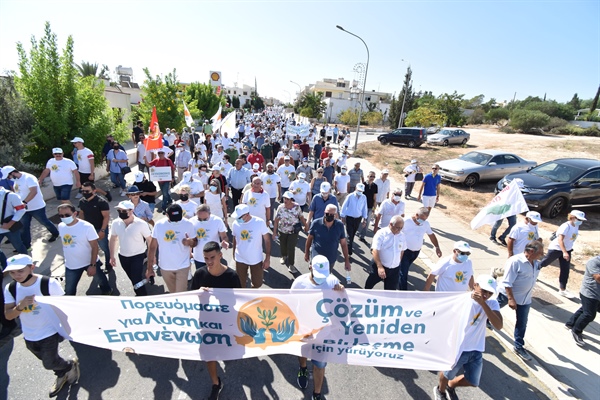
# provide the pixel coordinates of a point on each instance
(123, 214)
(175, 217)
(87, 195)
(115, 147)
(184, 197)
(329, 217)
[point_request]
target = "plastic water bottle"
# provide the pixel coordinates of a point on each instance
(140, 284)
(348, 278)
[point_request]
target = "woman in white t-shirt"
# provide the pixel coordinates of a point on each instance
(216, 201)
(561, 248)
(188, 206)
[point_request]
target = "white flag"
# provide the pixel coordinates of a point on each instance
(216, 120)
(226, 125)
(508, 202)
(188, 117)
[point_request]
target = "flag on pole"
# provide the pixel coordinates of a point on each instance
(216, 119)
(509, 201)
(154, 139)
(227, 124)
(189, 121)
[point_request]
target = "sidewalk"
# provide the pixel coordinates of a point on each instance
(568, 370)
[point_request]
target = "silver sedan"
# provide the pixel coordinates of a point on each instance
(475, 166)
(447, 137)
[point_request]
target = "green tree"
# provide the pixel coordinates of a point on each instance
(311, 105)
(575, 102)
(16, 123)
(63, 103)
(477, 117)
(528, 120)
(373, 118)
(91, 69)
(409, 103)
(552, 108)
(449, 105)
(473, 103)
(202, 100)
(424, 116)
(348, 117)
(257, 103)
(165, 96)
(235, 102)
(497, 114)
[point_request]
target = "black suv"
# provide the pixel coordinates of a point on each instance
(412, 137)
(553, 186)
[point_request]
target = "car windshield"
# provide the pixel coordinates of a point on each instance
(476, 157)
(445, 132)
(557, 172)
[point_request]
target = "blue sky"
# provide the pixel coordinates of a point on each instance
(495, 48)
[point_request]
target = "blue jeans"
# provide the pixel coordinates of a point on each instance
(118, 179)
(408, 258)
(15, 240)
(512, 220)
(521, 324)
(103, 244)
(63, 192)
(40, 216)
(166, 196)
(565, 265)
(72, 277)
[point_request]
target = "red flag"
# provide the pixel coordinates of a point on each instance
(154, 139)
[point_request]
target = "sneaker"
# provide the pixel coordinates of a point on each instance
(78, 196)
(52, 238)
(568, 327)
(292, 269)
(123, 194)
(565, 293)
(282, 260)
(493, 239)
(108, 196)
(302, 378)
(73, 374)
(577, 338)
(451, 393)
(437, 395)
(503, 241)
(216, 391)
(318, 396)
(58, 385)
(522, 353)
(362, 239)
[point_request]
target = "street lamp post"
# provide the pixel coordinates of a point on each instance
(299, 89)
(364, 85)
(401, 120)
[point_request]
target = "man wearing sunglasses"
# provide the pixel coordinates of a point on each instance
(63, 174)
(429, 192)
(453, 273)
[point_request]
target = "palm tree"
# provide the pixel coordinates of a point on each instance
(91, 69)
(311, 105)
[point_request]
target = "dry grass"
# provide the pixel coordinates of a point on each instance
(463, 203)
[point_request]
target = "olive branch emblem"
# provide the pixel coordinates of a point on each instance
(267, 316)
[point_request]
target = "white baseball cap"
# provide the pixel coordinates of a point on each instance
(255, 166)
(578, 214)
(302, 175)
(7, 170)
(385, 171)
(360, 187)
(125, 205)
(240, 210)
(18, 262)
(57, 150)
(77, 139)
(486, 282)
(534, 216)
(462, 246)
(320, 267)
(139, 176)
(288, 195)
(325, 187)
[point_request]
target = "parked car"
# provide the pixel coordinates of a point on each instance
(412, 137)
(552, 187)
(482, 165)
(447, 137)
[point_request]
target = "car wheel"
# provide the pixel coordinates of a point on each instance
(445, 143)
(555, 207)
(471, 180)
(383, 141)
(412, 143)
(464, 142)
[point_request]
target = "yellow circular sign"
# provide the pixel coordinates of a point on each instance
(215, 76)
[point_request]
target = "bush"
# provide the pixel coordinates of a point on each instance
(477, 117)
(497, 114)
(507, 129)
(555, 123)
(576, 131)
(528, 121)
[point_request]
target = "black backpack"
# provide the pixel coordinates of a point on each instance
(44, 287)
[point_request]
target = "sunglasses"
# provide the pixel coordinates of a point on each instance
(86, 191)
(464, 253)
(435, 169)
(65, 215)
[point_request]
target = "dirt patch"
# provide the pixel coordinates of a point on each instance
(463, 203)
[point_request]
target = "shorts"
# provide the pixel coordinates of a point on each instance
(472, 362)
(319, 364)
(83, 178)
(63, 192)
(428, 201)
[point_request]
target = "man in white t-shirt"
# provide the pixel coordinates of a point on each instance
(86, 164)
(63, 174)
(39, 332)
(141, 154)
(319, 277)
(174, 237)
(272, 185)
(410, 173)
(132, 234)
(387, 248)
(341, 183)
(388, 208)
(383, 187)
(258, 200)
(28, 189)
(453, 273)
(482, 308)
(523, 233)
(415, 228)
(287, 173)
(301, 190)
(80, 250)
(209, 228)
(249, 232)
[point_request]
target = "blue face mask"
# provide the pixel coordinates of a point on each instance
(67, 220)
(420, 221)
(241, 221)
(213, 189)
(577, 222)
(462, 258)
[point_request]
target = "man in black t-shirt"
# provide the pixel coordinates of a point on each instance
(371, 193)
(95, 210)
(137, 131)
(147, 188)
(214, 275)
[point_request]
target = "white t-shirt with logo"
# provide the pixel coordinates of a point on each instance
(132, 237)
(270, 183)
(569, 232)
(414, 233)
(523, 234)
(248, 240)
(474, 339)
(284, 172)
(300, 191)
(37, 321)
(452, 276)
(83, 157)
(22, 187)
(258, 203)
(206, 231)
(61, 171)
(76, 243)
(189, 208)
(172, 254)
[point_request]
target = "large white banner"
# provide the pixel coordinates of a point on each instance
(415, 330)
(509, 201)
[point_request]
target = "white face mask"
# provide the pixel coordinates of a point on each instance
(304, 163)
(397, 198)
(301, 180)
